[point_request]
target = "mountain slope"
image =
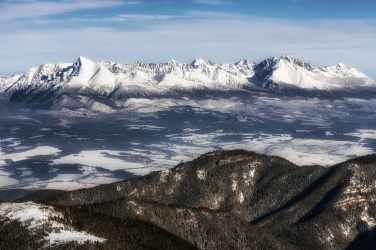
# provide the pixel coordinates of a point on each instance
(85, 84)
(248, 197)
(34, 226)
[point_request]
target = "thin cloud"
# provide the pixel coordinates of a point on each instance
(208, 14)
(118, 18)
(35, 9)
(146, 17)
(209, 2)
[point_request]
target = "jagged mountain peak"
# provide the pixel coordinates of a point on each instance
(92, 75)
(84, 62)
(202, 62)
(246, 62)
(15, 74)
(172, 62)
(285, 61)
(341, 70)
(291, 59)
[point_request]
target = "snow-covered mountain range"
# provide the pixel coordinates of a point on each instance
(51, 84)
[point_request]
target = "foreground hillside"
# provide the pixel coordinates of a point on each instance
(232, 200)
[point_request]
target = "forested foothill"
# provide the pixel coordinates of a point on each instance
(222, 200)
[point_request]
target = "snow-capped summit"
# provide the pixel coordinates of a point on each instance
(285, 62)
(202, 62)
(88, 74)
(173, 63)
(341, 70)
(245, 62)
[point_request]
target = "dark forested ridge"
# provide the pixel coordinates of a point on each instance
(231, 200)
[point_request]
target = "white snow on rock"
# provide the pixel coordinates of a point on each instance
(368, 219)
(241, 197)
(201, 174)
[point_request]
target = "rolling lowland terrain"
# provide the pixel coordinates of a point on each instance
(227, 200)
(112, 134)
(78, 125)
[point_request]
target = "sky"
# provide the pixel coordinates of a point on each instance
(324, 33)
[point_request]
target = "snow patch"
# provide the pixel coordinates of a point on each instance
(216, 203)
(241, 197)
(346, 230)
(163, 175)
(234, 185)
(367, 218)
(38, 151)
(64, 236)
(107, 159)
(36, 216)
(178, 177)
(201, 174)
(330, 238)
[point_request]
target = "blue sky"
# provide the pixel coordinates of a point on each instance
(321, 32)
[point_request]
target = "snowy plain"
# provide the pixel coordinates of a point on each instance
(64, 150)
